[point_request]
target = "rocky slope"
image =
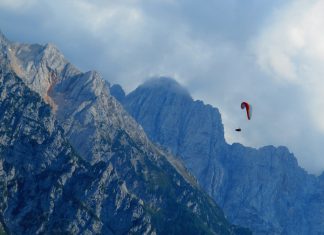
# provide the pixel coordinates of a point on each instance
(45, 186)
(263, 189)
(81, 163)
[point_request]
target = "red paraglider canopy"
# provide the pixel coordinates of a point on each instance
(248, 107)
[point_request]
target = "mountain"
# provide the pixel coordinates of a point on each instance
(117, 92)
(74, 161)
(263, 189)
(171, 118)
(45, 186)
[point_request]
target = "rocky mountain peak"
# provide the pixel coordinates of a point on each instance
(53, 57)
(173, 119)
(40, 66)
(165, 84)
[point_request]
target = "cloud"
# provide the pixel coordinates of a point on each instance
(293, 43)
(16, 4)
(132, 39)
(291, 50)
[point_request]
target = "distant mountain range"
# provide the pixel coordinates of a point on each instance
(73, 161)
(263, 189)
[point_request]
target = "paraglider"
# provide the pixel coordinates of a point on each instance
(248, 108)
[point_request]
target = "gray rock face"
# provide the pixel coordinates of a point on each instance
(263, 189)
(118, 92)
(171, 118)
(81, 101)
(45, 186)
(81, 163)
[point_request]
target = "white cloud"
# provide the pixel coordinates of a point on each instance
(16, 4)
(292, 49)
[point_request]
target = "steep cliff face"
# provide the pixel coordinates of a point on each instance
(171, 118)
(117, 92)
(263, 189)
(80, 101)
(45, 186)
(270, 190)
(94, 165)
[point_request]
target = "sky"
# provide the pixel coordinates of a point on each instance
(266, 52)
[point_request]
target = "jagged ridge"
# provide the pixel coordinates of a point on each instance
(108, 140)
(262, 189)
